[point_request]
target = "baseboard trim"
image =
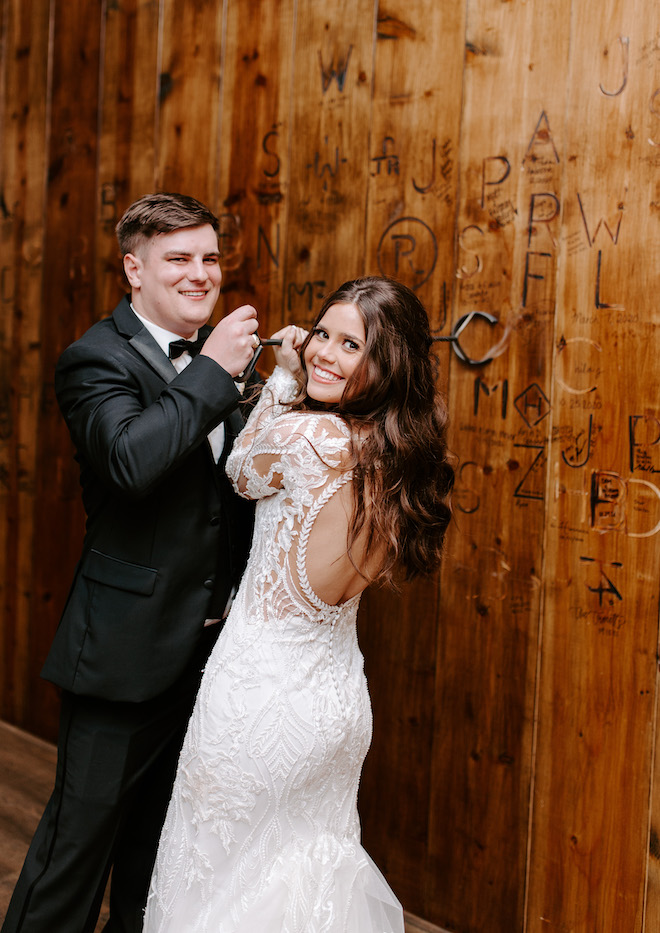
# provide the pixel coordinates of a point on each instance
(417, 925)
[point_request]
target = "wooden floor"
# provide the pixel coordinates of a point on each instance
(27, 768)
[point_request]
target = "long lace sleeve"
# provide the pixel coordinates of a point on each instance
(278, 390)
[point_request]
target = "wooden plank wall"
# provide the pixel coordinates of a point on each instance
(503, 159)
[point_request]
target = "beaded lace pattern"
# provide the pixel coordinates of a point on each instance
(262, 833)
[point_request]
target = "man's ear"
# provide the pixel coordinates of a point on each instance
(133, 269)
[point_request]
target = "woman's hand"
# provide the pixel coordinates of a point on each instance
(292, 338)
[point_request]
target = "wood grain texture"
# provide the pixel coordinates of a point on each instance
(502, 159)
(67, 310)
(254, 163)
(331, 110)
(412, 188)
(127, 132)
(598, 667)
(652, 911)
(415, 127)
(488, 639)
(189, 98)
(27, 774)
(25, 93)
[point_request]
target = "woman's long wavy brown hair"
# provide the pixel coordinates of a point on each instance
(402, 475)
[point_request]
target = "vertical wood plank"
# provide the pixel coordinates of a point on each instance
(127, 131)
(25, 93)
(411, 207)
(189, 90)
(67, 311)
(491, 582)
(415, 128)
(329, 147)
(9, 652)
(652, 911)
(254, 144)
(598, 676)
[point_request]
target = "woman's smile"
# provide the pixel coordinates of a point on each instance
(323, 375)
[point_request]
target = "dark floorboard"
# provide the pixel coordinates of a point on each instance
(27, 770)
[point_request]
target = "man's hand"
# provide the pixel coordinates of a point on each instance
(231, 342)
(287, 355)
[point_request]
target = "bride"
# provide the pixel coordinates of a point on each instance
(345, 452)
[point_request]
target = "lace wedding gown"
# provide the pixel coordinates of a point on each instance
(262, 833)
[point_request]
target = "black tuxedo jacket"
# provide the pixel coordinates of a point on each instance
(166, 536)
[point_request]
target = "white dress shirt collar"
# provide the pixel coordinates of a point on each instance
(162, 337)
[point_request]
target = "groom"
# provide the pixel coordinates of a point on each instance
(152, 420)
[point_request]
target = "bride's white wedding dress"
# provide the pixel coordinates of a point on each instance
(262, 833)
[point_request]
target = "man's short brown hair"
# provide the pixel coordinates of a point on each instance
(161, 213)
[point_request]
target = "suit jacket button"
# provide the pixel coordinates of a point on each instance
(210, 583)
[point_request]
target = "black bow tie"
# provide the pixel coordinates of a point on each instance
(177, 347)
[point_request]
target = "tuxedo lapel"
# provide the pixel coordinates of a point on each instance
(147, 347)
(130, 326)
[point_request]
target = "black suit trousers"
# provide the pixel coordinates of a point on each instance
(116, 764)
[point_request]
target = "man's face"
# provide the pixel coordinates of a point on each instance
(175, 278)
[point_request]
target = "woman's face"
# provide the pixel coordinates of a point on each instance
(334, 352)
